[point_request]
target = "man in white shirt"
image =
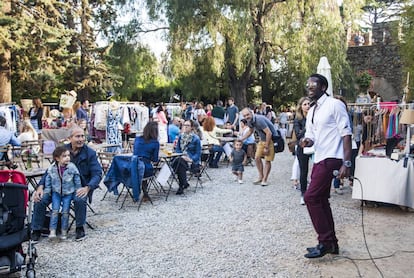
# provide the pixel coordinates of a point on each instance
(328, 129)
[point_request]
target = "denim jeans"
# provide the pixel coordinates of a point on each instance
(303, 160)
(39, 211)
(216, 151)
(57, 200)
(336, 182)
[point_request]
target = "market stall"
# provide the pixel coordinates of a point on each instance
(385, 169)
(384, 180)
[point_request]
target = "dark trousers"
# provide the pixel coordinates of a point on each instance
(317, 200)
(303, 160)
(180, 167)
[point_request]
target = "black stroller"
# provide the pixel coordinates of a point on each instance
(14, 230)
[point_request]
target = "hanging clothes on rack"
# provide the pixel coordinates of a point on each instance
(10, 112)
(114, 127)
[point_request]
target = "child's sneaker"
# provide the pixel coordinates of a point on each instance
(52, 234)
(64, 235)
(240, 181)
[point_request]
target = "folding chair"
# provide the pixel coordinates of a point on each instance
(7, 158)
(151, 185)
(105, 158)
(205, 158)
(30, 155)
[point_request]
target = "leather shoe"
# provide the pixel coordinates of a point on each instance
(321, 250)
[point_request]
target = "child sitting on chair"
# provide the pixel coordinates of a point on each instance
(238, 158)
(62, 181)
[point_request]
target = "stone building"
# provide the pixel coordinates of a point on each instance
(382, 58)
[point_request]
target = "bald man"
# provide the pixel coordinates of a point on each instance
(265, 149)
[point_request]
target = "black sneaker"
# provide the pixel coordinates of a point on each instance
(80, 233)
(35, 237)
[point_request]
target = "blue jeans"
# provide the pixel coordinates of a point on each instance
(57, 200)
(39, 211)
(216, 152)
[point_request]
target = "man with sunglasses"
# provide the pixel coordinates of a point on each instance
(327, 129)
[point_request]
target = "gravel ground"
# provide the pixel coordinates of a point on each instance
(224, 230)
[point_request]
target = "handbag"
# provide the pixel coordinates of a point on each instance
(291, 146)
(292, 142)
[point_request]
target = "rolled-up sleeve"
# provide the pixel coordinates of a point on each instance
(342, 119)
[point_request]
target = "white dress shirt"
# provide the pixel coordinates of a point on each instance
(326, 123)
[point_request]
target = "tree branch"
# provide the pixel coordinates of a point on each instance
(153, 30)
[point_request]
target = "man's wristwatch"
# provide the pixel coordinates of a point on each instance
(348, 163)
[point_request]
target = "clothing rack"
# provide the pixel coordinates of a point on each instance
(102, 102)
(131, 103)
(7, 104)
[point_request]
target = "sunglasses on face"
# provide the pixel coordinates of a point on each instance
(311, 85)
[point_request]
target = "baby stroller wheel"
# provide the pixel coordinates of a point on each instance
(30, 273)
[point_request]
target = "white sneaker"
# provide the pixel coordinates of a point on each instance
(240, 181)
(52, 234)
(64, 235)
(302, 201)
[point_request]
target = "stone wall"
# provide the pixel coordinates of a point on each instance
(381, 57)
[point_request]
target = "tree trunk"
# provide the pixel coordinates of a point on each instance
(5, 69)
(5, 74)
(267, 94)
(238, 90)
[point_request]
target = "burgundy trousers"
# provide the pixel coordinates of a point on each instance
(317, 200)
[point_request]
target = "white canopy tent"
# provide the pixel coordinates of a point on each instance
(325, 69)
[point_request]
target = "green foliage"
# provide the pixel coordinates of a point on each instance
(241, 45)
(138, 69)
(406, 49)
(54, 48)
(363, 80)
(384, 10)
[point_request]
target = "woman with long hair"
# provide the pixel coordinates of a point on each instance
(147, 148)
(211, 134)
(27, 132)
(82, 123)
(161, 118)
(199, 113)
(300, 128)
(209, 108)
(36, 114)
